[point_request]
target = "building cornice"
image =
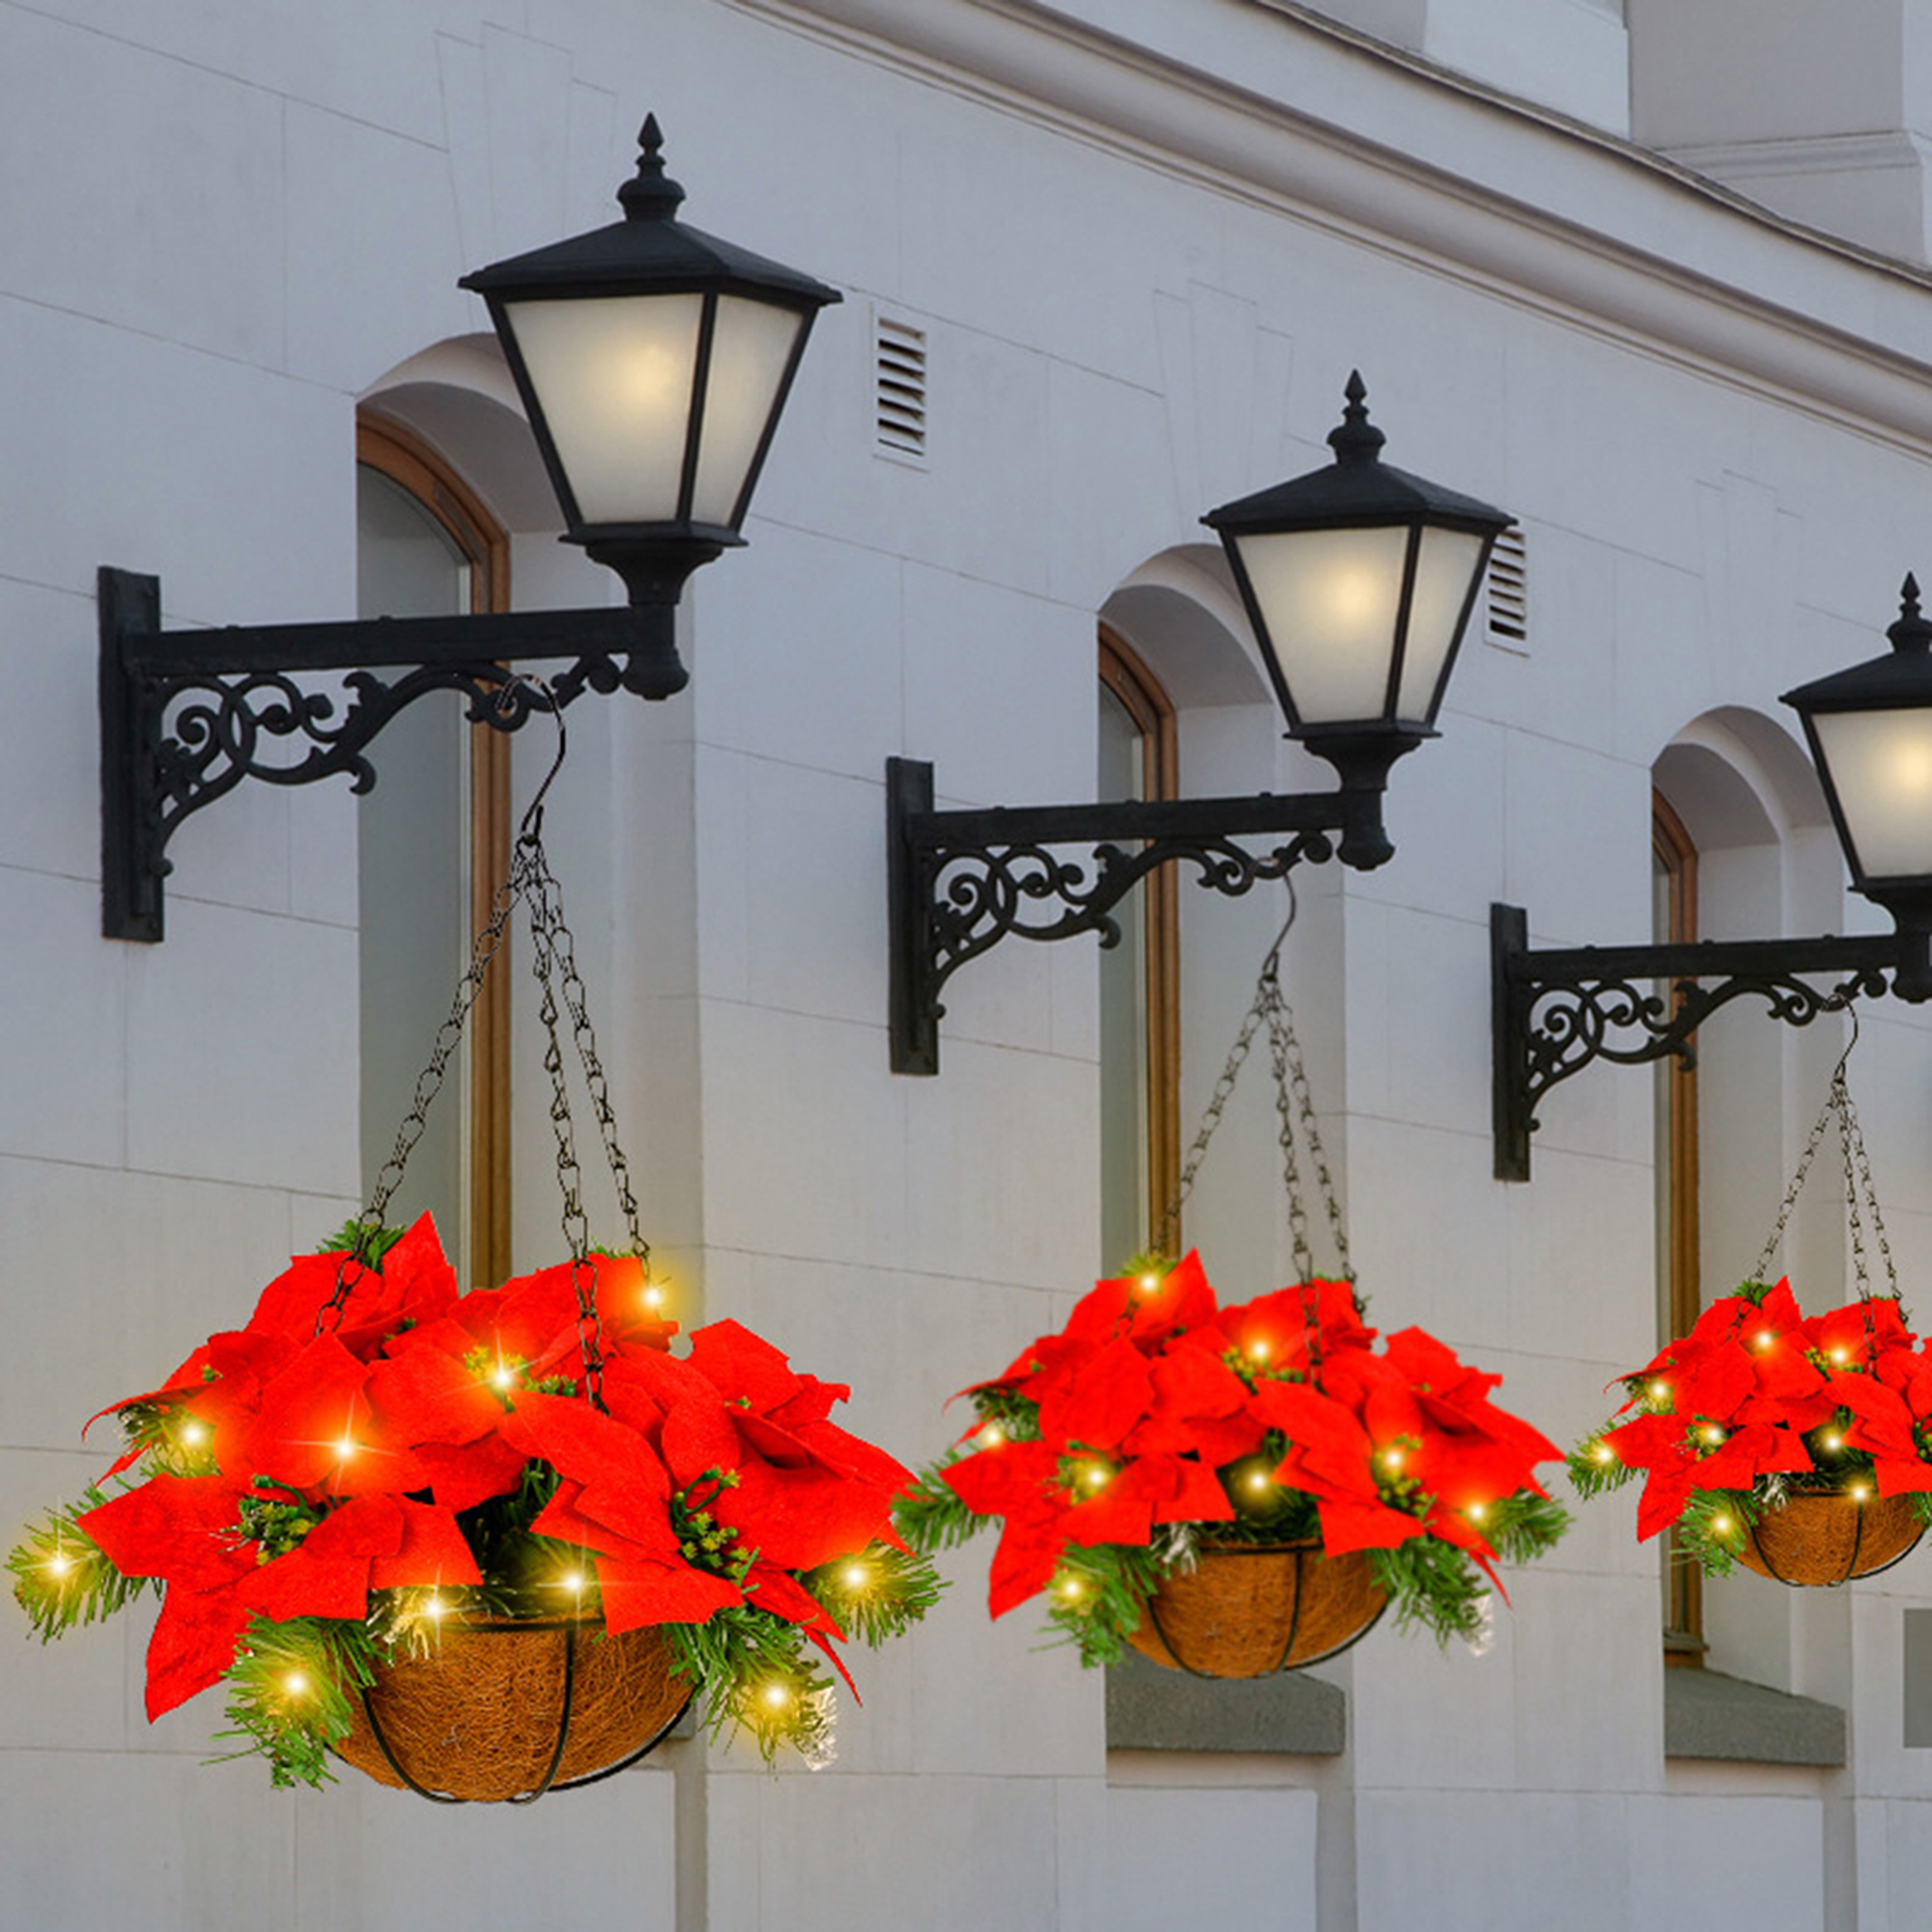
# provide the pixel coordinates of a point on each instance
(1266, 100)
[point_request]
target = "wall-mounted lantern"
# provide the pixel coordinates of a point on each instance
(654, 362)
(1556, 1010)
(1359, 580)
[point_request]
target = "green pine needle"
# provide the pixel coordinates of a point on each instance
(876, 1594)
(292, 1688)
(1594, 1467)
(930, 1515)
(63, 1577)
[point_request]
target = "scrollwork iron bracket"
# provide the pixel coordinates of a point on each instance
(959, 882)
(185, 716)
(1555, 1010)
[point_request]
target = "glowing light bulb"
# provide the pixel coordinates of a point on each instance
(1603, 1453)
(1257, 1481)
(1391, 1459)
(1148, 1282)
(1257, 1352)
(573, 1581)
(1858, 1493)
(1831, 1441)
(433, 1607)
(505, 1377)
(1476, 1511)
(653, 1295)
(1765, 1338)
(1095, 1477)
(856, 1577)
(1659, 1391)
(296, 1683)
(775, 1696)
(58, 1565)
(1841, 1355)
(345, 1448)
(1722, 1524)
(992, 1436)
(194, 1434)
(1069, 1589)
(1712, 1434)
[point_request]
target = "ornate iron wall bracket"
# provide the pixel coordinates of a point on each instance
(959, 882)
(1555, 1009)
(186, 715)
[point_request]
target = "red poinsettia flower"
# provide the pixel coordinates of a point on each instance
(1149, 1397)
(1731, 1403)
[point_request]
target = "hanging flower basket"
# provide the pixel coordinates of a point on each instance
(1244, 1489)
(1251, 1611)
(500, 1709)
(481, 1544)
(1814, 1539)
(1799, 1446)
(386, 1513)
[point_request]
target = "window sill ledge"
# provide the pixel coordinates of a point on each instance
(1707, 1715)
(1289, 1715)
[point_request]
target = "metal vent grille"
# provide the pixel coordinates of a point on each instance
(900, 388)
(1508, 591)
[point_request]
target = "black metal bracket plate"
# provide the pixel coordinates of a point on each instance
(959, 882)
(1555, 1010)
(185, 716)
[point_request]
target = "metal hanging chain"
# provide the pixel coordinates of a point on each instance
(532, 884)
(1860, 1192)
(569, 1175)
(550, 893)
(1318, 1155)
(1292, 1098)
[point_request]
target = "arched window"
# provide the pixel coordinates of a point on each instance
(1140, 1004)
(1679, 1292)
(435, 843)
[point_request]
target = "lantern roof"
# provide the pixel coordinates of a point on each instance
(1356, 488)
(649, 250)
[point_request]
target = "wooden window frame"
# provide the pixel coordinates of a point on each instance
(391, 450)
(1126, 675)
(1682, 1298)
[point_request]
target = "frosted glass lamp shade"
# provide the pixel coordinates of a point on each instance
(1359, 580)
(1870, 733)
(653, 361)
(657, 407)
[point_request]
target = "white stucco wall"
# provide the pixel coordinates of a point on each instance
(1146, 259)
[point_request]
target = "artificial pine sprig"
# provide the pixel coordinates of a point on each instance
(62, 1576)
(1594, 1467)
(1098, 1596)
(755, 1677)
(292, 1686)
(931, 1516)
(876, 1595)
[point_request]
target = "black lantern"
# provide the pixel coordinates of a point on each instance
(1360, 580)
(1871, 732)
(653, 361)
(1558, 1010)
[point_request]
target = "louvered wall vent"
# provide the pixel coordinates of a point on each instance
(1508, 591)
(899, 389)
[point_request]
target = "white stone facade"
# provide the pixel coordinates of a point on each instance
(1146, 240)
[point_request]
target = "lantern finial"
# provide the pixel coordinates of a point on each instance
(1356, 439)
(1912, 632)
(650, 195)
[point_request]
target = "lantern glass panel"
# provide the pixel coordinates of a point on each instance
(1449, 559)
(1328, 599)
(751, 345)
(614, 374)
(1881, 766)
